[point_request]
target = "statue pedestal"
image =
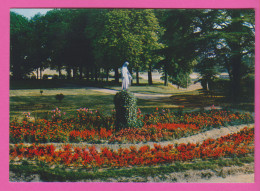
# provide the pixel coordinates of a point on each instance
(126, 109)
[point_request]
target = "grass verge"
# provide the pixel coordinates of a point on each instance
(57, 174)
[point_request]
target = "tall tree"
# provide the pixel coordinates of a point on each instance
(128, 35)
(227, 36)
(151, 41)
(180, 40)
(37, 44)
(79, 48)
(57, 23)
(19, 43)
(239, 36)
(208, 57)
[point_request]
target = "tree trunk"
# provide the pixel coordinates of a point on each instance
(75, 72)
(137, 76)
(236, 81)
(116, 75)
(41, 73)
(92, 73)
(68, 70)
(236, 58)
(165, 76)
(150, 80)
(107, 74)
(131, 72)
(96, 74)
(101, 77)
(87, 73)
(37, 74)
(81, 71)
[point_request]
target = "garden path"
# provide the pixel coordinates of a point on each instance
(198, 138)
(146, 96)
(138, 95)
(240, 178)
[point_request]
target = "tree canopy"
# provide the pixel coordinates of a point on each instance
(93, 42)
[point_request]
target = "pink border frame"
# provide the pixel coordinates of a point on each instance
(5, 7)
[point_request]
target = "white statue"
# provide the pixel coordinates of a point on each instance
(126, 77)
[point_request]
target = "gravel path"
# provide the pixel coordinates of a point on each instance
(198, 138)
(239, 178)
(138, 95)
(147, 96)
(231, 174)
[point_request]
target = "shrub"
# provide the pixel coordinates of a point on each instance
(59, 97)
(55, 77)
(62, 77)
(33, 77)
(57, 114)
(126, 110)
(45, 77)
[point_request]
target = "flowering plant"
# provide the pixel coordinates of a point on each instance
(237, 144)
(56, 114)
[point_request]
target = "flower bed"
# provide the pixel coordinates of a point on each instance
(93, 127)
(158, 132)
(237, 144)
(211, 118)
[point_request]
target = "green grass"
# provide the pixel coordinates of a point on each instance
(62, 174)
(25, 96)
(32, 101)
(39, 105)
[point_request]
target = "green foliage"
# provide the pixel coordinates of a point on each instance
(181, 80)
(45, 77)
(126, 110)
(127, 34)
(208, 70)
(227, 41)
(33, 77)
(38, 50)
(19, 43)
(88, 41)
(59, 97)
(180, 44)
(55, 77)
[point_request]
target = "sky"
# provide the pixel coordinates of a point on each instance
(30, 12)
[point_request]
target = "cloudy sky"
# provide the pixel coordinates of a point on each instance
(29, 12)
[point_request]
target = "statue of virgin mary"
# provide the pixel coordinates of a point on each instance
(126, 76)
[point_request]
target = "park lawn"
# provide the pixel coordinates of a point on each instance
(25, 96)
(38, 105)
(32, 101)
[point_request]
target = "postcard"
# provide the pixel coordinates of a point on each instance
(130, 95)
